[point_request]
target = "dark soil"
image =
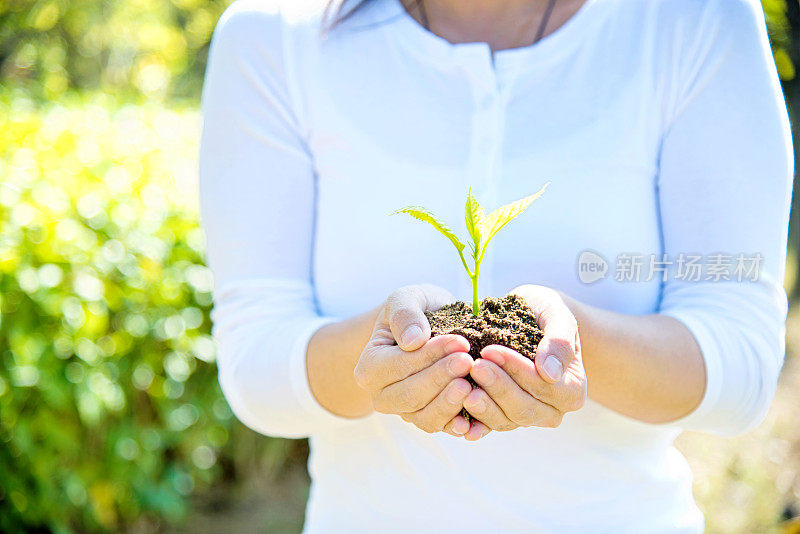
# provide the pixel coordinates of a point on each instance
(504, 321)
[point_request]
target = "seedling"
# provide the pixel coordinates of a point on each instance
(481, 228)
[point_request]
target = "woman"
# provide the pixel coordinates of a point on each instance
(663, 130)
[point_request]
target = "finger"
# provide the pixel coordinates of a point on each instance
(458, 426)
(521, 370)
(477, 431)
(565, 396)
(518, 405)
(483, 408)
(558, 347)
(441, 410)
(404, 313)
(381, 365)
(419, 389)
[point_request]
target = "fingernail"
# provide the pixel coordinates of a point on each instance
(460, 427)
(411, 334)
(477, 407)
(553, 368)
(455, 394)
(454, 346)
(457, 367)
(483, 374)
(493, 356)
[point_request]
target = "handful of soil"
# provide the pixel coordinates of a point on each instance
(504, 321)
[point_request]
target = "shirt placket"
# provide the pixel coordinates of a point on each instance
(486, 139)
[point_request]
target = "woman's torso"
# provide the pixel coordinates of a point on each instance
(394, 116)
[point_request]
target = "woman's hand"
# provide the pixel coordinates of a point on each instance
(408, 373)
(517, 392)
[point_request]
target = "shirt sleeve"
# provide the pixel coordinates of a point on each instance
(257, 195)
(724, 189)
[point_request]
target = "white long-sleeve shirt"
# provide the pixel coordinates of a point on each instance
(662, 127)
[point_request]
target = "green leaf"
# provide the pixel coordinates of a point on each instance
(474, 216)
(424, 215)
(505, 214)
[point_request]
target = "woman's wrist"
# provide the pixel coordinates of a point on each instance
(577, 308)
(629, 358)
(331, 357)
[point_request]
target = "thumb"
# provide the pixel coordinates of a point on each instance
(405, 315)
(557, 349)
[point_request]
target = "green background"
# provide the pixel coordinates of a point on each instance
(111, 417)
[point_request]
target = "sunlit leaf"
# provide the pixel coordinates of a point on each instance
(505, 214)
(474, 217)
(424, 215)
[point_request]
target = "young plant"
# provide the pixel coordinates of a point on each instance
(481, 228)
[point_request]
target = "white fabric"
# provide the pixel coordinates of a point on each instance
(662, 127)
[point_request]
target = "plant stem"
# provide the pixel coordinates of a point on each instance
(476, 305)
(464, 262)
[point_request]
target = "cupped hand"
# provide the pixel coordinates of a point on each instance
(410, 374)
(516, 392)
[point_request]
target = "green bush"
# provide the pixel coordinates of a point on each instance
(156, 48)
(110, 411)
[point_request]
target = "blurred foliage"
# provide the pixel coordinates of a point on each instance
(783, 22)
(157, 48)
(779, 36)
(154, 48)
(110, 411)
